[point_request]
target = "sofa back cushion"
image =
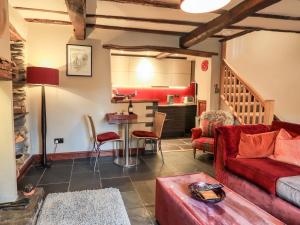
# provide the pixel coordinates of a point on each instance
(292, 128)
(231, 135)
(287, 148)
(257, 145)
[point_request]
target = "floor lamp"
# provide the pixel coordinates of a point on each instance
(43, 76)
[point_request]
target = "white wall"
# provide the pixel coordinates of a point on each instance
(8, 180)
(76, 96)
(204, 79)
(146, 72)
(270, 62)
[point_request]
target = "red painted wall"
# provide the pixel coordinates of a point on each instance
(159, 93)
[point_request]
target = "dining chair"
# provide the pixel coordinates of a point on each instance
(155, 134)
(101, 139)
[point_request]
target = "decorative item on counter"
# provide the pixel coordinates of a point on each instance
(208, 193)
(130, 107)
(118, 97)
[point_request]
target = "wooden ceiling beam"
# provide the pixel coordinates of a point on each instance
(234, 15)
(239, 34)
(163, 55)
(47, 21)
(178, 22)
(277, 17)
(133, 29)
(170, 50)
(77, 14)
(142, 19)
(152, 3)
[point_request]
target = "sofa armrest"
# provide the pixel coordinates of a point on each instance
(196, 133)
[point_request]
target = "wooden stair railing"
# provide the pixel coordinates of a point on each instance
(244, 102)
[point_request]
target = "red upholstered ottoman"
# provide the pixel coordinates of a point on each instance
(174, 206)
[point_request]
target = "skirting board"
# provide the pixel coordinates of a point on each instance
(80, 154)
(69, 155)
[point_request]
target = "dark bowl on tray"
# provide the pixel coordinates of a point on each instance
(196, 187)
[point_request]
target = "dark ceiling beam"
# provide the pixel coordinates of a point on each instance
(40, 10)
(178, 22)
(239, 34)
(133, 29)
(142, 19)
(77, 14)
(143, 30)
(163, 55)
(262, 28)
(273, 16)
(174, 33)
(152, 3)
(234, 15)
(47, 21)
(170, 50)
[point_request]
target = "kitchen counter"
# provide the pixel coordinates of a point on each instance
(136, 101)
(180, 119)
(176, 105)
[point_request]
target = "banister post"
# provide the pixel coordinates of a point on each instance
(222, 71)
(269, 112)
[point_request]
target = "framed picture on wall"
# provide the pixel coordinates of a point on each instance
(79, 60)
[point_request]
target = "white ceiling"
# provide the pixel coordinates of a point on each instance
(285, 7)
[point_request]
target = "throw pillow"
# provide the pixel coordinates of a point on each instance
(208, 127)
(257, 145)
(287, 148)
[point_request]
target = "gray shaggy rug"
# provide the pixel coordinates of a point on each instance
(91, 207)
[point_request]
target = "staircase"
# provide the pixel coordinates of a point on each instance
(243, 101)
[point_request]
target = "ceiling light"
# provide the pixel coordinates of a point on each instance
(202, 6)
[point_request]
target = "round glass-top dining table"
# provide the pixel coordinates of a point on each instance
(126, 160)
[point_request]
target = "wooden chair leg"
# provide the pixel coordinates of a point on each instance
(194, 151)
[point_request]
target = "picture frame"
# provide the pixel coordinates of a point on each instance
(79, 60)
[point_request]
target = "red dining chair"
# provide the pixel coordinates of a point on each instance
(155, 134)
(101, 139)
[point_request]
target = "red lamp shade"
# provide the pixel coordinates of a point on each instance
(42, 75)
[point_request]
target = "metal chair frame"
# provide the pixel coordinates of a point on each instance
(96, 144)
(158, 123)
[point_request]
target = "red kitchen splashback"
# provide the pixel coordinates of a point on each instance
(158, 93)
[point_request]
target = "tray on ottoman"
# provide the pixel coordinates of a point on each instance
(175, 206)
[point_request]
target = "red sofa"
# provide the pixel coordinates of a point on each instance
(255, 179)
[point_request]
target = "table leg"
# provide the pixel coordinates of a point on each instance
(126, 161)
(126, 144)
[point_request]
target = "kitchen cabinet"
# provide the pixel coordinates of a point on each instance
(180, 120)
(146, 72)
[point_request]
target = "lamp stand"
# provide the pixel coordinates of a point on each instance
(44, 161)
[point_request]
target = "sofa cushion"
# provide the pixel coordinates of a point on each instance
(204, 144)
(288, 188)
(287, 148)
(231, 136)
(263, 172)
(257, 145)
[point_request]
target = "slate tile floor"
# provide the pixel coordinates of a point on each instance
(137, 184)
